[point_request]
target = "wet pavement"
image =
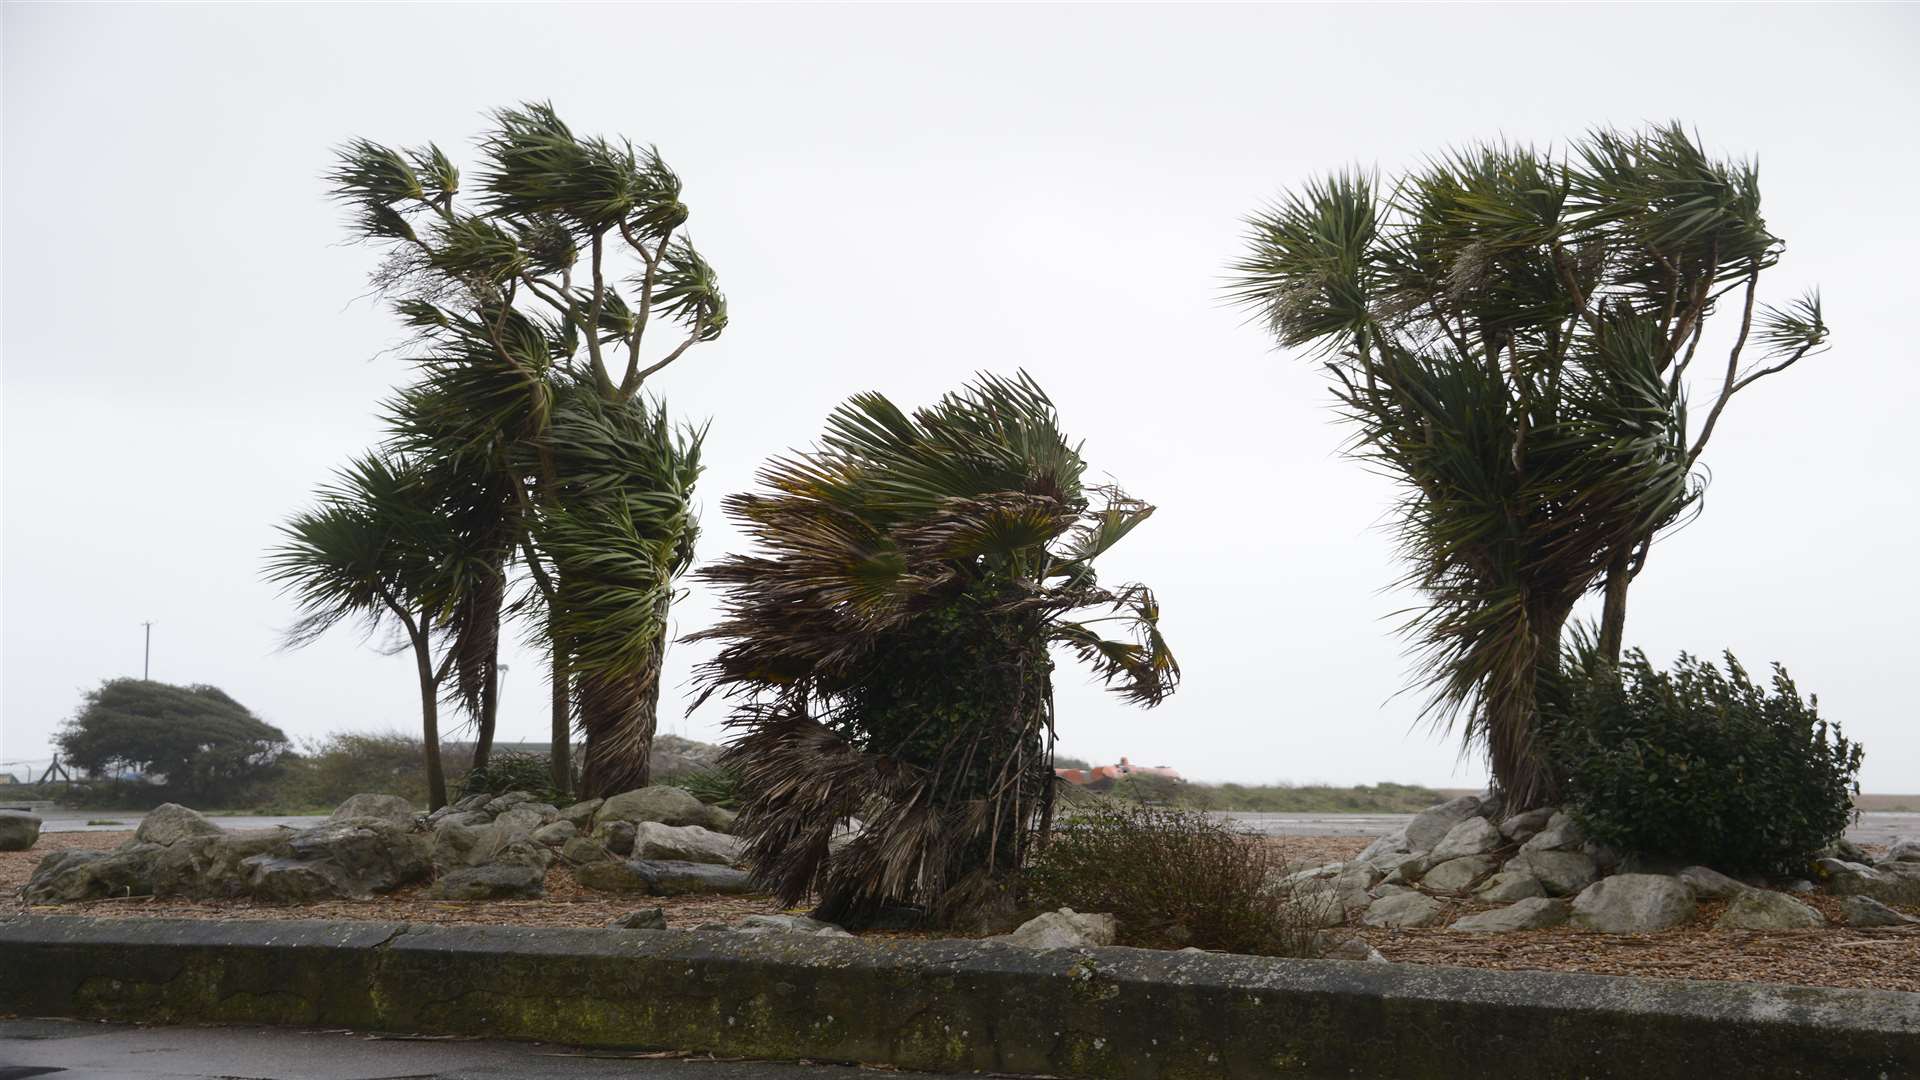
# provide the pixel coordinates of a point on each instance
(78, 1050)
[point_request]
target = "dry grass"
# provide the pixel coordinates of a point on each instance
(1865, 959)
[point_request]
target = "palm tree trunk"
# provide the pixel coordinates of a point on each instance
(489, 711)
(619, 716)
(560, 754)
(1613, 616)
(430, 722)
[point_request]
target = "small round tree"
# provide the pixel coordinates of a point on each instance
(205, 744)
(889, 649)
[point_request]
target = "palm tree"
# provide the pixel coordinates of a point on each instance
(887, 652)
(375, 550)
(1510, 334)
(531, 342)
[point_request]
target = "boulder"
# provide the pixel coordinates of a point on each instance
(500, 804)
(1525, 825)
(1865, 911)
(521, 821)
(554, 834)
(359, 856)
(1474, 836)
(456, 845)
(1561, 873)
(791, 924)
(686, 843)
(661, 877)
(1404, 910)
(67, 876)
(1710, 884)
(1903, 850)
(389, 808)
(1389, 863)
(1758, 909)
(615, 836)
(473, 802)
(1561, 833)
(469, 818)
(1895, 882)
(1408, 870)
(1062, 929)
(1633, 904)
(581, 850)
(666, 805)
(581, 814)
(1393, 843)
(18, 830)
(643, 919)
(491, 883)
(1509, 885)
(1844, 848)
(1461, 874)
(170, 822)
(1533, 913)
(1430, 826)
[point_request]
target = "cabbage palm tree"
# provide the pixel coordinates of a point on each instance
(532, 314)
(376, 551)
(887, 649)
(1511, 335)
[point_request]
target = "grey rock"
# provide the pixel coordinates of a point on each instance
(1844, 848)
(1710, 884)
(1895, 882)
(1801, 888)
(1404, 910)
(1431, 825)
(611, 876)
(1633, 904)
(666, 805)
(171, 822)
(1459, 875)
(473, 802)
(1341, 947)
(1561, 873)
(555, 833)
(456, 845)
(1393, 843)
(1474, 836)
(68, 876)
(1313, 873)
(1509, 885)
(581, 814)
(1533, 913)
(1759, 909)
(1525, 825)
(519, 822)
(1389, 863)
(1062, 929)
(1408, 871)
(281, 880)
(1562, 833)
(643, 919)
(500, 804)
(661, 877)
(469, 818)
(581, 850)
(18, 830)
(796, 924)
(686, 843)
(1385, 889)
(615, 836)
(360, 856)
(1904, 850)
(1865, 911)
(390, 808)
(491, 883)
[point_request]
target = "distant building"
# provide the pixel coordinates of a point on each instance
(1108, 775)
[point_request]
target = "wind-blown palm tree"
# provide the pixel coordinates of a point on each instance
(377, 551)
(1510, 334)
(531, 344)
(887, 651)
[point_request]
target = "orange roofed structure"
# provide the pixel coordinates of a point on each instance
(1109, 774)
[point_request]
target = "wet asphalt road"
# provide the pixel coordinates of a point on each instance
(77, 1050)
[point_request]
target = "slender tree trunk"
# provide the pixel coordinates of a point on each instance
(430, 723)
(561, 753)
(489, 712)
(1613, 616)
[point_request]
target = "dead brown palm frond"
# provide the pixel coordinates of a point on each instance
(887, 653)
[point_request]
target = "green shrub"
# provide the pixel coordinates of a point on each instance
(717, 786)
(1174, 878)
(1698, 765)
(331, 770)
(508, 771)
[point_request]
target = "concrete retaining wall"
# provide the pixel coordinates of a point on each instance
(950, 1006)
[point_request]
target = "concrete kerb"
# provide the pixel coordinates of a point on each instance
(948, 1005)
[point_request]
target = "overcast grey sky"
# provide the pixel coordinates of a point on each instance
(896, 197)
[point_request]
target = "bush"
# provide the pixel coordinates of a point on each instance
(717, 786)
(1174, 878)
(1701, 766)
(508, 771)
(205, 745)
(331, 770)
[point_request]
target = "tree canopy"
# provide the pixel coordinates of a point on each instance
(203, 742)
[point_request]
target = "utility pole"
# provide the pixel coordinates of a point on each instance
(146, 659)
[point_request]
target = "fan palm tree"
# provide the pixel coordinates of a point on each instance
(887, 651)
(531, 341)
(376, 551)
(1510, 334)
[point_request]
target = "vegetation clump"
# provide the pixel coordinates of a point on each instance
(197, 743)
(1700, 765)
(1174, 878)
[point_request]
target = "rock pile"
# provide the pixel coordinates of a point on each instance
(1545, 872)
(656, 840)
